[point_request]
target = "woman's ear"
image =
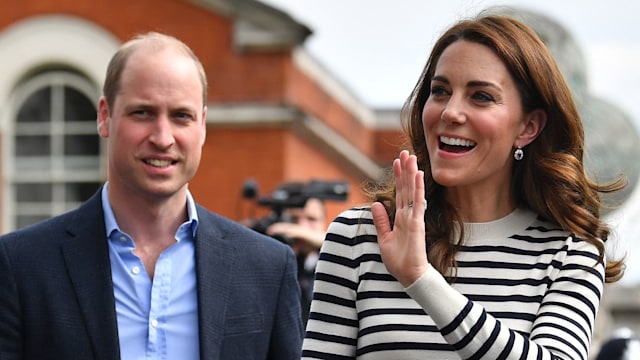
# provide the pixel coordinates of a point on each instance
(103, 118)
(533, 126)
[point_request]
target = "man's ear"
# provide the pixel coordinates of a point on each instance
(204, 126)
(104, 117)
(535, 122)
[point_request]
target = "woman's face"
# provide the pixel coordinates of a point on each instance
(472, 119)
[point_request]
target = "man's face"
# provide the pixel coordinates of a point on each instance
(156, 128)
(311, 216)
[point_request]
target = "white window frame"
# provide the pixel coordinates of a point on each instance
(54, 169)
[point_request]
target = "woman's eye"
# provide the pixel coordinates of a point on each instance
(438, 91)
(483, 97)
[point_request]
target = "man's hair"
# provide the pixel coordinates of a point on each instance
(152, 41)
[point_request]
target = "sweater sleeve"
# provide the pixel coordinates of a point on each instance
(563, 326)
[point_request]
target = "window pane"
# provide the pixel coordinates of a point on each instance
(82, 145)
(56, 149)
(77, 107)
(33, 145)
(80, 192)
(33, 192)
(37, 107)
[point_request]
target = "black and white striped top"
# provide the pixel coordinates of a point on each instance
(525, 289)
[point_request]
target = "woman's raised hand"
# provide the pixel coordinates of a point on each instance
(403, 248)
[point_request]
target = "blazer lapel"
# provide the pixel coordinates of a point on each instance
(86, 254)
(215, 258)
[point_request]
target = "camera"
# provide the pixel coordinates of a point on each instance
(291, 195)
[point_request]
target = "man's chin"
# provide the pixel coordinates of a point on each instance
(165, 191)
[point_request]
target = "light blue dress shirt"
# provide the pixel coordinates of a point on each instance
(156, 320)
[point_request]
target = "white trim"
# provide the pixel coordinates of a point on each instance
(343, 148)
(52, 39)
(309, 127)
(250, 114)
(335, 89)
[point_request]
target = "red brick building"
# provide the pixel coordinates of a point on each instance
(274, 114)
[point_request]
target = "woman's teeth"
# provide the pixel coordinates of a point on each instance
(456, 141)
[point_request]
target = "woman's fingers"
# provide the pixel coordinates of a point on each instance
(380, 220)
(419, 202)
(403, 247)
(405, 168)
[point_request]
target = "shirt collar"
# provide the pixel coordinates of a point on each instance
(112, 225)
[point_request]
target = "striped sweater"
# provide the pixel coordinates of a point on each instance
(525, 289)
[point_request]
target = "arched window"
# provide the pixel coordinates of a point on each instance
(55, 151)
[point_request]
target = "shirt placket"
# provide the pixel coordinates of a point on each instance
(160, 291)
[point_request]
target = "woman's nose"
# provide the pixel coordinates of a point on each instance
(453, 112)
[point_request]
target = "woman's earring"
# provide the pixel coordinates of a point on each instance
(518, 154)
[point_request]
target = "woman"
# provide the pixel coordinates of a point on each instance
(507, 262)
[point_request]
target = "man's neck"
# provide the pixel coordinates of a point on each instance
(146, 216)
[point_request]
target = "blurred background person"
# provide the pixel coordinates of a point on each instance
(305, 229)
(298, 217)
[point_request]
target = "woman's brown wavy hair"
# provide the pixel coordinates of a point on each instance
(550, 180)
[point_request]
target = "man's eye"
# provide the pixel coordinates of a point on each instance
(183, 116)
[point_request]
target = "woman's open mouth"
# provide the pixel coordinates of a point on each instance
(455, 145)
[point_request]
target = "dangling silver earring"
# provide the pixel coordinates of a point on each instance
(518, 154)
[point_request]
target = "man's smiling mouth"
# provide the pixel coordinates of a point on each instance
(158, 162)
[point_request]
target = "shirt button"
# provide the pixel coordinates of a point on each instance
(154, 323)
(123, 239)
(135, 270)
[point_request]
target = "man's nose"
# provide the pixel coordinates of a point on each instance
(162, 132)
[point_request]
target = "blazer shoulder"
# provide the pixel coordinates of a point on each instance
(220, 228)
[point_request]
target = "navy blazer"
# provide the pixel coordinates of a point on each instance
(57, 302)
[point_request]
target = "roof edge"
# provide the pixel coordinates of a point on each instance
(258, 26)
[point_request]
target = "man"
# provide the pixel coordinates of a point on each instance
(306, 229)
(141, 271)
